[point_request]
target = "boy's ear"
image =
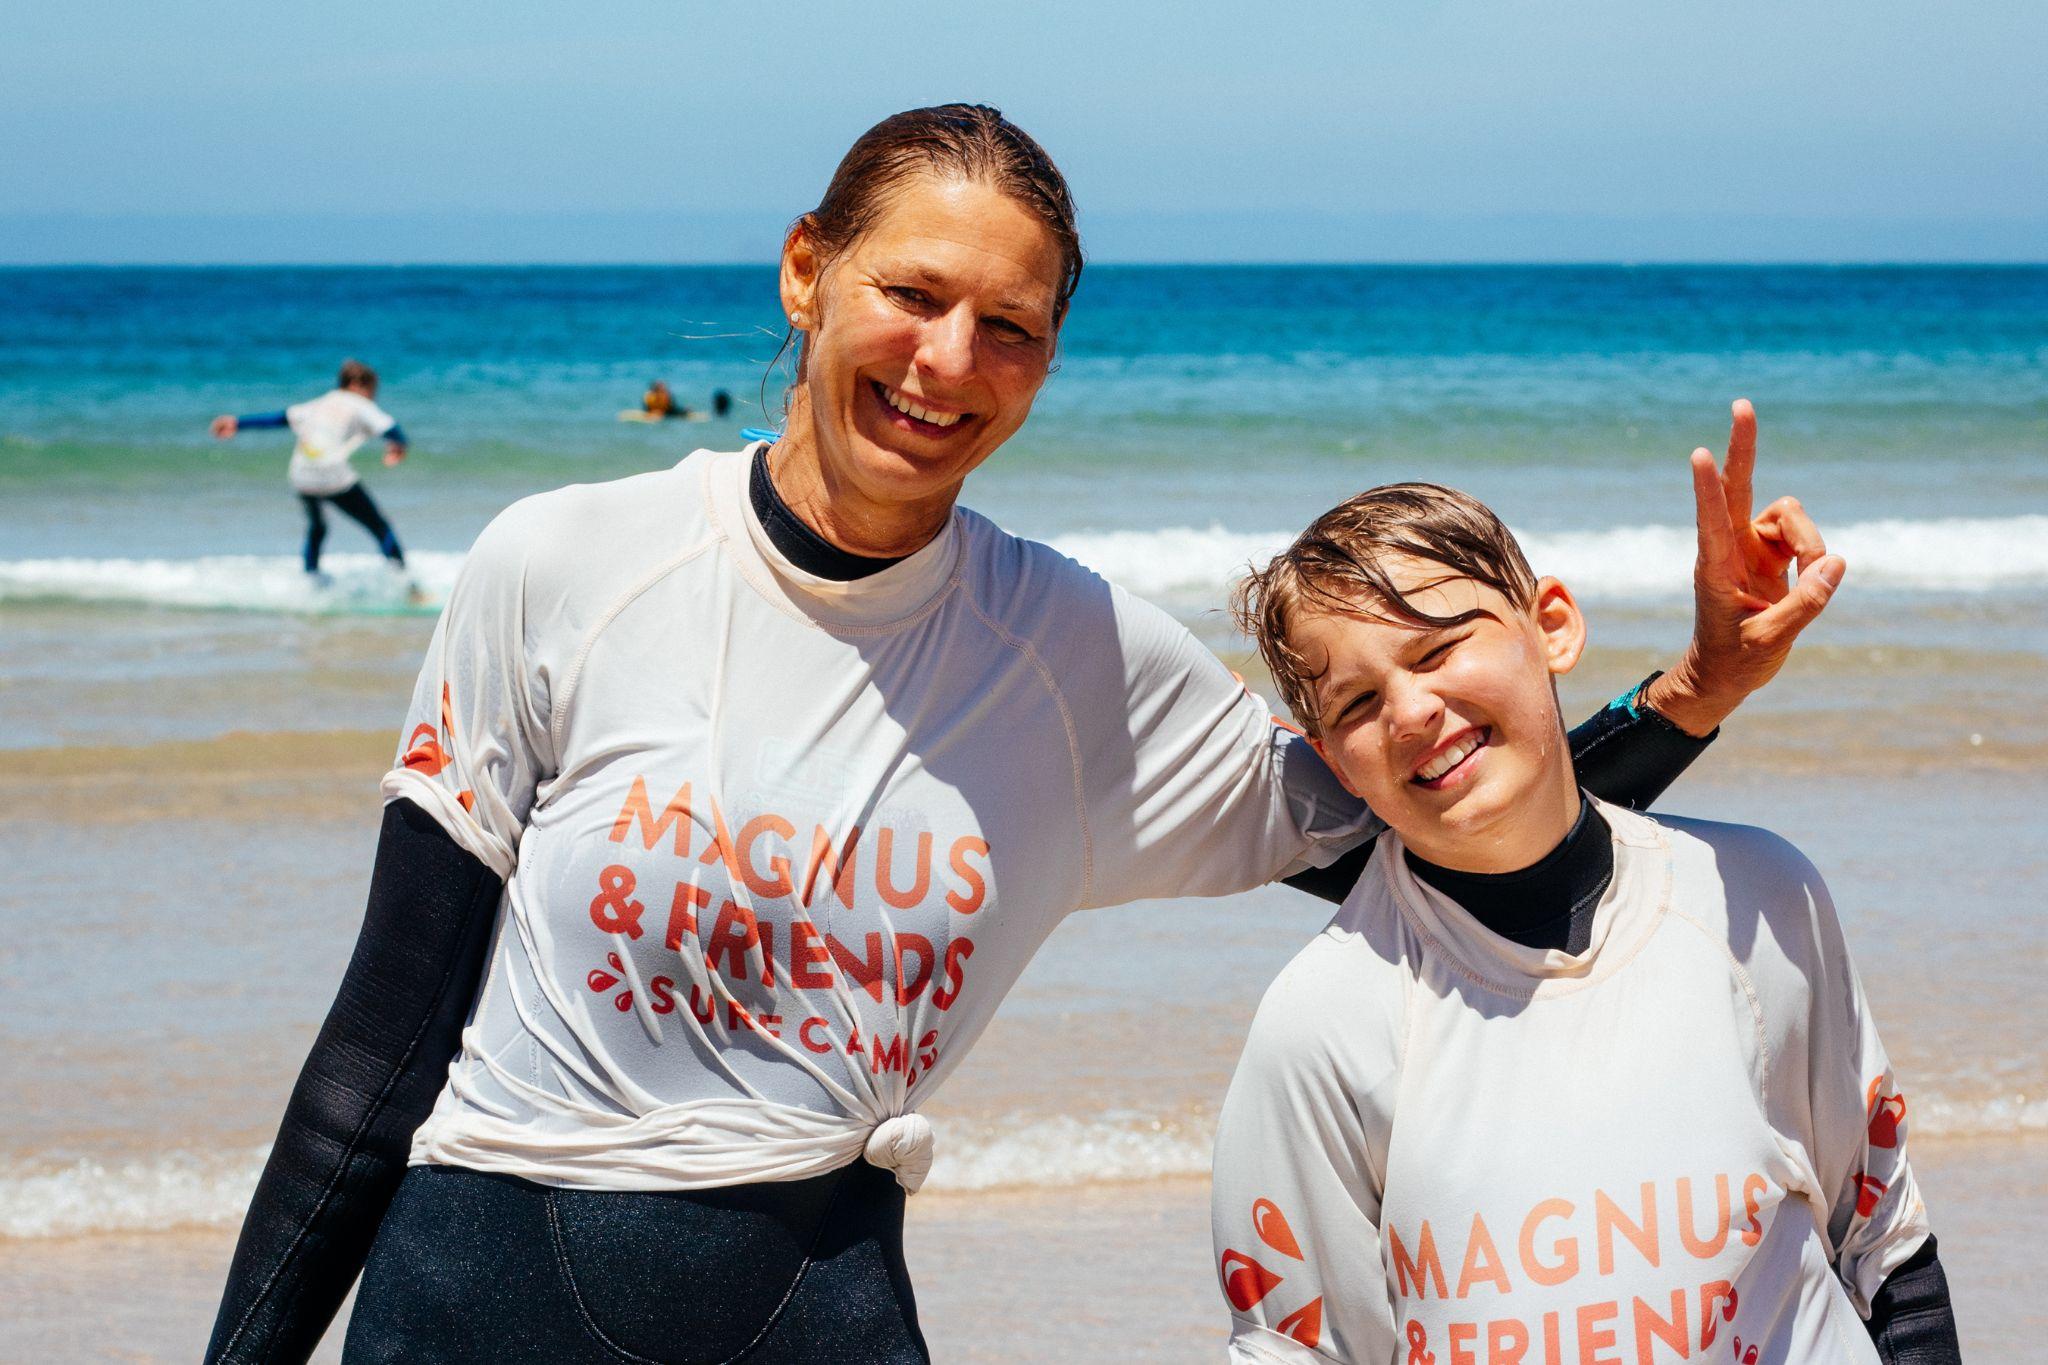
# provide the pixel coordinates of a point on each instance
(1562, 625)
(1316, 743)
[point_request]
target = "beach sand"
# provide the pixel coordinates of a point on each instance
(1106, 1272)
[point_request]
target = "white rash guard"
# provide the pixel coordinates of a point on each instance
(775, 847)
(1686, 1143)
(328, 430)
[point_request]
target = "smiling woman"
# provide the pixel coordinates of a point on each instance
(928, 292)
(748, 789)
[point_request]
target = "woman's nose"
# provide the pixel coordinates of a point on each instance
(946, 349)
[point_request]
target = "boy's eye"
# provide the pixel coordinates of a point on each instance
(1439, 653)
(1357, 708)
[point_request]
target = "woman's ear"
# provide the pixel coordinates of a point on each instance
(801, 268)
(1561, 623)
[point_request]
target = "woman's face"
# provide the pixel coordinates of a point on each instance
(928, 337)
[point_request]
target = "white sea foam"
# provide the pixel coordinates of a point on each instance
(359, 584)
(1950, 555)
(183, 1189)
(2001, 1116)
(179, 1189)
(1069, 1151)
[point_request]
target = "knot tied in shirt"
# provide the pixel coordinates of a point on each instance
(903, 1144)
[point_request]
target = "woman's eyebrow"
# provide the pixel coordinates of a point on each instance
(925, 274)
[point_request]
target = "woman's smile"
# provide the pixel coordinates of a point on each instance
(919, 416)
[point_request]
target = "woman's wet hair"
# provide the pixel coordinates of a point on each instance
(1338, 566)
(963, 141)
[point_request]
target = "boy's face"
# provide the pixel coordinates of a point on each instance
(1452, 735)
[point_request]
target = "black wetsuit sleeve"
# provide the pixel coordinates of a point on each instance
(256, 421)
(374, 1072)
(396, 435)
(1912, 1321)
(1625, 753)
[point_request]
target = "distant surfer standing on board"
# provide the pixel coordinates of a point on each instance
(329, 429)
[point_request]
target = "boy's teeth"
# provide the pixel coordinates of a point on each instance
(1448, 759)
(905, 406)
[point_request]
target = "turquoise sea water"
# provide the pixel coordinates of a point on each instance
(1197, 417)
(1186, 396)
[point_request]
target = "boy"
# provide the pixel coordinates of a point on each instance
(329, 428)
(1559, 1082)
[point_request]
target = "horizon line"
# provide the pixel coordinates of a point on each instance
(1446, 263)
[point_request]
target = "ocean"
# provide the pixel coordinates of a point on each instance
(190, 735)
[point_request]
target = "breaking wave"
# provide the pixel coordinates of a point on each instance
(358, 585)
(1951, 555)
(184, 1189)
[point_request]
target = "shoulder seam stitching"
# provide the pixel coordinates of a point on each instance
(1756, 1008)
(558, 707)
(1052, 687)
(780, 602)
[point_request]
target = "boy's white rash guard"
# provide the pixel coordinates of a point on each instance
(1443, 1148)
(775, 847)
(328, 430)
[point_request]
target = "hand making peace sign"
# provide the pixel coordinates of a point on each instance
(1747, 607)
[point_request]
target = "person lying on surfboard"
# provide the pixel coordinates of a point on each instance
(658, 404)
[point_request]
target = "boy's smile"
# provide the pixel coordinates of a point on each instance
(1451, 762)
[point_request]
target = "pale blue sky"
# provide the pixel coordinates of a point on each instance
(1576, 129)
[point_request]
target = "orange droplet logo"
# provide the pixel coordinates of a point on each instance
(1273, 1230)
(1305, 1324)
(1245, 1281)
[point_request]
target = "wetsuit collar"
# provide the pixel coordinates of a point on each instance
(1624, 915)
(1548, 904)
(799, 544)
(886, 595)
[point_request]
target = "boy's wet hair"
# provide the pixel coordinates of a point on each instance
(1337, 566)
(356, 375)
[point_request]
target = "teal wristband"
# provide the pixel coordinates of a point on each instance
(1631, 701)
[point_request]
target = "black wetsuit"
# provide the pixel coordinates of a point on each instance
(355, 502)
(467, 1264)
